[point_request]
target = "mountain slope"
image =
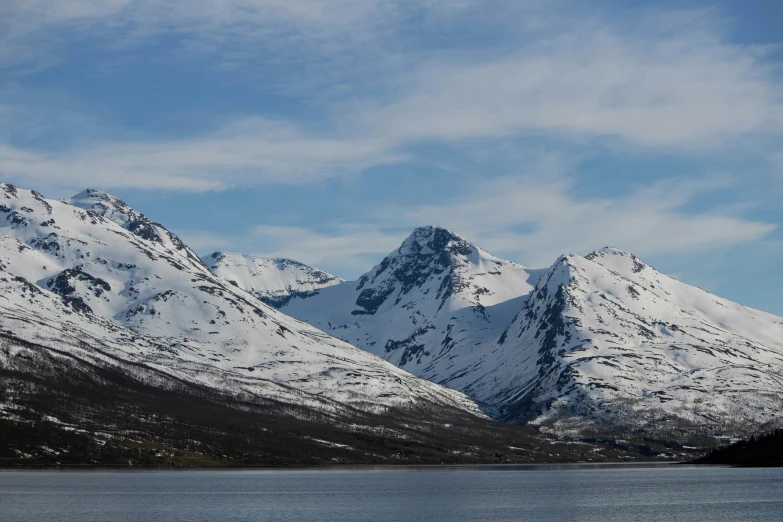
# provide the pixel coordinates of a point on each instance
(608, 338)
(601, 340)
(427, 303)
(101, 282)
(273, 281)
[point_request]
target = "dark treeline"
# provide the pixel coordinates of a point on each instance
(761, 450)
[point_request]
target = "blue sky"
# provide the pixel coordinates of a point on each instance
(325, 130)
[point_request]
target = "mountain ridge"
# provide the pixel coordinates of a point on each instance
(108, 273)
(600, 339)
(432, 277)
(248, 272)
(593, 344)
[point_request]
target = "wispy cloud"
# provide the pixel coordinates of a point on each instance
(652, 220)
(36, 30)
(342, 248)
(686, 90)
(248, 152)
(527, 220)
(671, 83)
(347, 85)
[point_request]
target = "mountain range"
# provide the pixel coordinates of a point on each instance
(601, 342)
(91, 288)
(97, 297)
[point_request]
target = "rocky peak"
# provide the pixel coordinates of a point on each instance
(436, 263)
(9, 189)
(431, 239)
(618, 260)
(115, 209)
(108, 206)
(556, 284)
(428, 251)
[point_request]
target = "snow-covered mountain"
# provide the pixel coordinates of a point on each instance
(434, 297)
(273, 281)
(94, 280)
(608, 338)
(597, 340)
(603, 338)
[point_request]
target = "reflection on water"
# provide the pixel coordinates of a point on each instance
(462, 494)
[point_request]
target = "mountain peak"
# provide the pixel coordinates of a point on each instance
(272, 280)
(431, 231)
(106, 205)
(617, 259)
(236, 257)
(92, 193)
(432, 239)
(609, 250)
(116, 210)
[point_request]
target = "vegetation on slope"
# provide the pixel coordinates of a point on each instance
(762, 450)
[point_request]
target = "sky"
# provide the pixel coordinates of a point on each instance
(326, 130)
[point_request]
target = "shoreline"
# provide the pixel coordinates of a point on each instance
(572, 466)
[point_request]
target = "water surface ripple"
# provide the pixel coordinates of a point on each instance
(431, 495)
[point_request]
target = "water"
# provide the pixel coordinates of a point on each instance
(431, 495)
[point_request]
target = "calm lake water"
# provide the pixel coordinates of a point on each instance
(627, 494)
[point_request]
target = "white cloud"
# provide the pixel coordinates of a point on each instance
(251, 151)
(650, 221)
(576, 80)
(685, 90)
(343, 249)
(36, 29)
